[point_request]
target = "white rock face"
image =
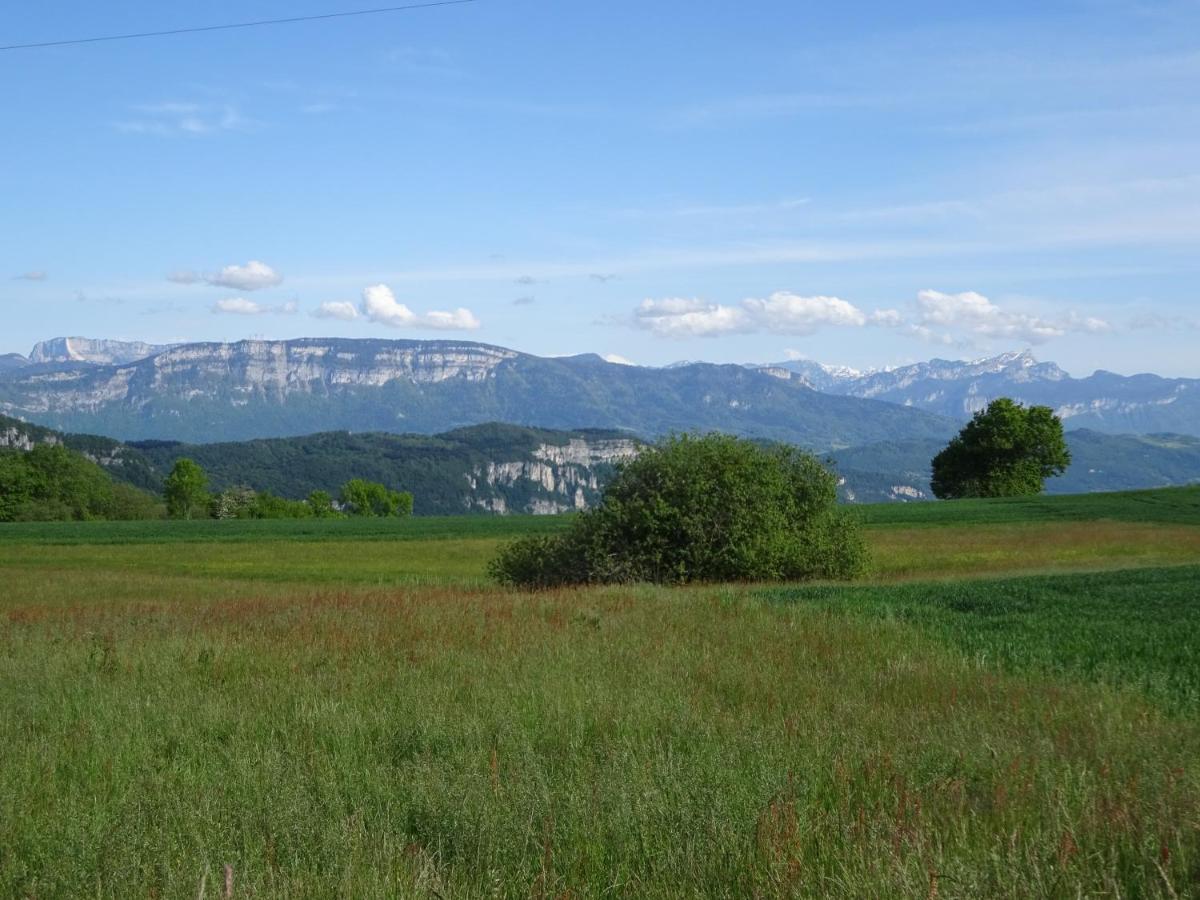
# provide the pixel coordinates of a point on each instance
(579, 452)
(274, 369)
(564, 472)
(90, 350)
(285, 367)
(14, 438)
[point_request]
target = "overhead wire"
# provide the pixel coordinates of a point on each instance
(235, 25)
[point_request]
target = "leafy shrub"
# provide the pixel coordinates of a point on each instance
(133, 504)
(233, 503)
(367, 498)
(268, 506)
(700, 508)
(321, 504)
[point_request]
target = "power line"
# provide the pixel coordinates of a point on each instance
(230, 27)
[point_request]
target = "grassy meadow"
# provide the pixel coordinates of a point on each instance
(1008, 706)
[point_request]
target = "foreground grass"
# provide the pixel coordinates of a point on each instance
(1137, 628)
(634, 742)
(352, 711)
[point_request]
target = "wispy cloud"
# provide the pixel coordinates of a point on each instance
(240, 306)
(342, 310)
(183, 119)
(426, 61)
(718, 210)
(36, 275)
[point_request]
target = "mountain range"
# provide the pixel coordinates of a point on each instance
(1103, 401)
(880, 428)
(260, 389)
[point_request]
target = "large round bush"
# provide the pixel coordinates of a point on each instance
(707, 508)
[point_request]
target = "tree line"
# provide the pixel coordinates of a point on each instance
(52, 483)
(186, 494)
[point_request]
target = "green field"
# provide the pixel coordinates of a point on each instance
(1009, 705)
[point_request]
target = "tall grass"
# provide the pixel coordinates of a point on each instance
(640, 743)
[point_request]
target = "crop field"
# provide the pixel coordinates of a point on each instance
(1008, 706)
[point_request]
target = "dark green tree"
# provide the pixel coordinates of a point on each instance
(700, 508)
(186, 490)
(1006, 450)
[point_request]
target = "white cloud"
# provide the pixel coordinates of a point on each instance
(682, 318)
(976, 315)
(617, 360)
(781, 312)
(792, 314)
(939, 318)
(380, 305)
(253, 276)
(337, 309)
(238, 306)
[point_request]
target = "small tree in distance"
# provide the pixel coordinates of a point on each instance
(699, 509)
(1006, 450)
(367, 498)
(186, 490)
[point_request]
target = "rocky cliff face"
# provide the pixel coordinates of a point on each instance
(89, 350)
(562, 477)
(15, 437)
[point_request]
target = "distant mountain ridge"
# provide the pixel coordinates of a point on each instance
(255, 389)
(1103, 401)
(208, 392)
(89, 350)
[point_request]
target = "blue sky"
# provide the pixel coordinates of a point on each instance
(866, 185)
